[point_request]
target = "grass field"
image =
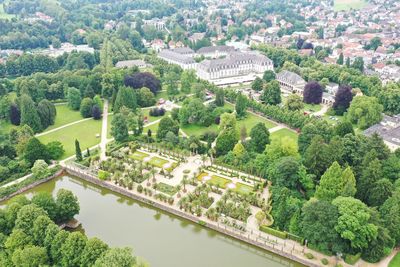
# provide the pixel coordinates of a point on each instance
(215, 180)
(167, 189)
(284, 133)
(243, 189)
(395, 262)
(153, 129)
(64, 116)
(340, 5)
(312, 108)
(158, 162)
(84, 131)
(139, 155)
(5, 126)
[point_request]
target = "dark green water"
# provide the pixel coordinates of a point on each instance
(163, 240)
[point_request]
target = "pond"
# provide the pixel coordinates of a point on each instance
(162, 239)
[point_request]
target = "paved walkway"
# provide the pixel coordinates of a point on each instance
(277, 128)
(103, 142)
(321, 112)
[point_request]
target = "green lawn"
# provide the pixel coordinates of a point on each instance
(243, 189)
(284, 133)
(395, 262)
(139, 155)
(84, 131)
(348, 4)
(312, 108)
(215, 180)
(167, 189)
(194, 129)
(153, 129)
(64, 116)
(158, 162)
(5, 127)
(333, 119)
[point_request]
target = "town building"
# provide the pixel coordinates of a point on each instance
(388, 129)
(215, 51)
(179, 56)
(131, 63)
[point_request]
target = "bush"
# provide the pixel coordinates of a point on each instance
(324, 261)
(140, 188)
(202, 223)
(103, 175)
(295, 238)
(157, 112)
(273, 232)
(352, 259)
(309, 256)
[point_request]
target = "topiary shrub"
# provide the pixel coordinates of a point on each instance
(103, 175)
(140, 188)
(309, 256)
(324, 261)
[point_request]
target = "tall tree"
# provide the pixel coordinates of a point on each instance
(125, 97)
(365, 111)
(35, 150)
(257, 84)
(119, 128)
(47, 113)
(74, 98)
(241, 105)
(86, 107)
(312, 93)
(220, 97)
(259, 137)
(167, 125)
(343, 98)
(29, 114)
(78, 152)
(272, 93)
(15, 114)
(269, 76)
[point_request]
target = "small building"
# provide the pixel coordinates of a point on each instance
(332, 88)
(388, 129)
(290, 81)
(173, 57)
(131, 63)
(215, 51)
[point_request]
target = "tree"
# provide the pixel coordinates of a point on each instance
(226, 141)
(257, 84)
(294, 102)
(143, 79)
(96, 112)
(285, 172)
(379, 247)
(343, 127)
(57, 244)
(167, 125)
(121, 257)
(241, 105)
(220, 97)
(35, 150)
(146, 97)
(269, 76)
(39, 168)
(239, 150)
(188, 77)
(318, 223)
(67, 205)
(374, 43)
(26, 217)
(354, 222)
(125, 97)
(390, 214)
(259, 137)
(343, 98)
(86, 107)
(89, 92)
(72, 249)
(272, 93)
(365, 111)
(280, 148)
(336, 182)
(29, 114)
(15, 114)
(358, 64)
(227, 121)
(382, 190)
(39, 229)
(78, 151)
(47, 113)
(17, 239)
(119, 128)
(30, 256)
(93, 250)
(46, 201)
(340, 60)
(310, 130)
(318, 156)
(312, 93)
(74, 98)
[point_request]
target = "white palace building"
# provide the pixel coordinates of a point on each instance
(233, 67)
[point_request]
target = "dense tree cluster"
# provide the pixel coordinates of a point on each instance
(31, 236)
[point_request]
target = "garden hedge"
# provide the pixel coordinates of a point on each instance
(295, 238)
(273, 232)
(352, 259)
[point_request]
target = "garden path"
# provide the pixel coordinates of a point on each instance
(103, 142)
(321, 112)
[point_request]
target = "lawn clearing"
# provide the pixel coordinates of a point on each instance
(197, 130)
(64, 116)
(146, 113)
(3, 14)
(153, 128)
(6, 126)
(139, 155)
(215, 180)
(85, 132)
(243, 189)
(167, 189)
(312, 108)
(158, 162)
(284, 133)
(345, 5)
(395, 262)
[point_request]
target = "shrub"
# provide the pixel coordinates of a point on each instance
(202, 223)
(103, 175)
(295, 238)
(273, 232)
(157, 112)
(309, 256)
(324, 261)
(352, 259)
(140, 188)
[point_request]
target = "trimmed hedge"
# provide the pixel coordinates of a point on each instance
(352, 259)
(295, 238)
(273, 232)
(324, 261)
(103, 175)
(309, 256)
